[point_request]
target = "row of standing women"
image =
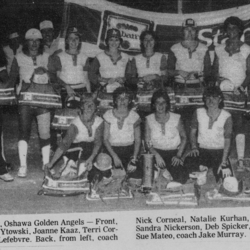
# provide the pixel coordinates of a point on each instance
(112, 68)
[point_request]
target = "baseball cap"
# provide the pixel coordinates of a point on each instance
(33, 34)
(189, 22)
(46, 25)
(73, 30)
(113, 33)
(13, 35)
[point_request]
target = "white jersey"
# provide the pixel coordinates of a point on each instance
(153, 67)
(83, 134)
(108, 69)
(185, 62)
(171, 139)
(121, 136)
(233, 67)
(211, 138)
(27, 65)
(70, 73)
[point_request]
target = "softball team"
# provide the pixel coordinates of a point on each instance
(118, 132)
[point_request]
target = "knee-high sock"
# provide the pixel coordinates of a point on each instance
(22, 151)
(46, 154)
(240, 145)
(2, 156)
(2, 147)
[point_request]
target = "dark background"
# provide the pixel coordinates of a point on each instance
(20, 15)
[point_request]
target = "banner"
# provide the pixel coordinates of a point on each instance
(95, 17)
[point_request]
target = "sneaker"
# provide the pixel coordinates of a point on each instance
(6, 177)
(22, 172)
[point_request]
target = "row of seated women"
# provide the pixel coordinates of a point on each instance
(68, 71)
(120, 132)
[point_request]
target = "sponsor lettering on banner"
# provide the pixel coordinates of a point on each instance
(130, 28)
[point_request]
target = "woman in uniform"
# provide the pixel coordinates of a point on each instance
(166, 137)
(68, 69)
(210, 136)
(232, 63)
(109, 67)
(85, 131)
(122, 133)
(149, 66)
(23, 66)
(189, 59)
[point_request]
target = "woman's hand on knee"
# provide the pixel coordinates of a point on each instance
(176, 161)
(117, 161)
(132, 165)
(159, 161)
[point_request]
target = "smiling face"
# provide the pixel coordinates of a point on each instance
(233, 31)
(189, 33)
(160, 105)
(149, 42)
(33, 45)
(122, 101)
(89, 107)
(73, 40)
(212, 101)
(114, 43)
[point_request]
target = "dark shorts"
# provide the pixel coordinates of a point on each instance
(125, 153)
(179, 172)
(210, 158)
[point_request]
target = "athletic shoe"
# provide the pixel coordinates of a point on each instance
(22, 172)
(6, 177)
